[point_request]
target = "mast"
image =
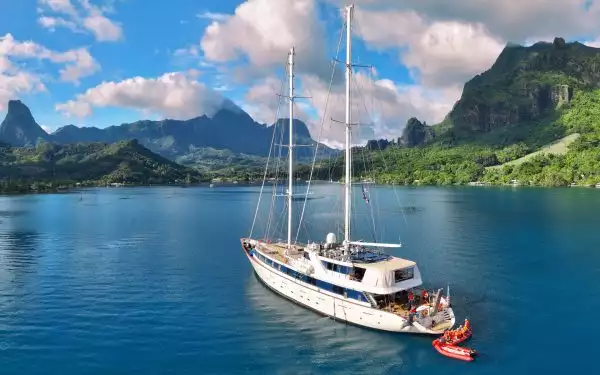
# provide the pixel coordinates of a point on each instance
(349, 11)
(291, 147)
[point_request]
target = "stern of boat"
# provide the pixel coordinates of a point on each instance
(443, 320)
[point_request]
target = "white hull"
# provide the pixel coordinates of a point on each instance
(342, 309)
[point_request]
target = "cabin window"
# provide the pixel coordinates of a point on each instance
(337, 268)
(306, 256)
(324, 285)
(358, 273)
(338, 289)
(404, 274)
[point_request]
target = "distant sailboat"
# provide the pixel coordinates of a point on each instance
(349, 280)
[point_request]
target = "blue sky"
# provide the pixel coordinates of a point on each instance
(191, 54)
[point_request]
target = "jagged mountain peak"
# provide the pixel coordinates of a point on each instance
(230, 128)
(19, 128)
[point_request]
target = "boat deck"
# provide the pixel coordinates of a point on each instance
(401, 309)
(280, 251)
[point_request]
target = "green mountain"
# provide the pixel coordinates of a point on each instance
(230, 130)
(121, 162)
(523, 89)
(19, 127)
(530, 97)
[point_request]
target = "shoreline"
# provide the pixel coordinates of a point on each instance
(73, 188)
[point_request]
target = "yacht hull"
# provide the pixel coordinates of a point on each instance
(341, 309)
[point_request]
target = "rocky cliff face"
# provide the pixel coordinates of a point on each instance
(19, 127)
(525, 84)
(415, 133)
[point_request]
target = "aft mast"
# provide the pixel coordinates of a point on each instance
(291, 147)
(348, 180)
(347, 198)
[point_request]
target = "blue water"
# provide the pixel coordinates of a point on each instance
(153, 281)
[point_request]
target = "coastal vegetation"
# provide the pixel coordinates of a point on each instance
(51, 167)
(489, 161)
(500, 129)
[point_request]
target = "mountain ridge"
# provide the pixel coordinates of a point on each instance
(230, 128)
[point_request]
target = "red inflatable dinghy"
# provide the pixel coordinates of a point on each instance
(457, 336)
(453, 351)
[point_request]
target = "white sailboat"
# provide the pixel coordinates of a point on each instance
(351, 281)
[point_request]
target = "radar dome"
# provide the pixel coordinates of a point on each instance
(330, 239)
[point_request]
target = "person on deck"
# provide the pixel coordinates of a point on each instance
(411, 299)
(425, 296)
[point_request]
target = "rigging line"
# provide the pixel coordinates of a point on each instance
(277, 127)
(275, 173)
(321, 128)
(276, 179)
(267, 164)
(384, 159)
(362, 153)
(370, 173)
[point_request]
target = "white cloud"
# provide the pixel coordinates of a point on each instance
(593, 43)
(213, 16)
(173, 95)
(14, 83)
(79, 63)
(86, 18)
(441, 53)
(15, 80)
(52, 23)
(380, 106)
(47, 129)
(263, 31)
(509, 20)
(262, 103)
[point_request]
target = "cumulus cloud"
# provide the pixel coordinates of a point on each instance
(264, 105)
(507, 19)
(263, 31)
(86, 17)
(174, 95)
(76, 63)
(440, 53)
(380, 106)
(15, 80)
(213, 16)
(443, 43)
(14, 83)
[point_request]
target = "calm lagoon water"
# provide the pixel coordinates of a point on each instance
(153, 281)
